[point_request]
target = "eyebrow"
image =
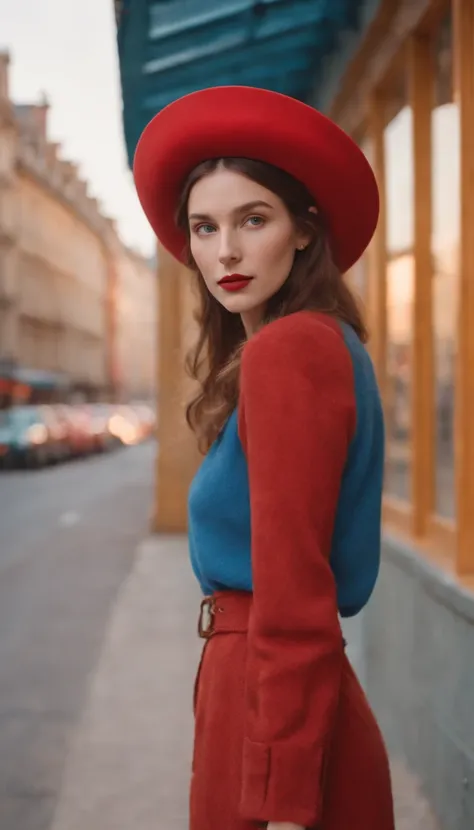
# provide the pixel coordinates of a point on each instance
(241, 209)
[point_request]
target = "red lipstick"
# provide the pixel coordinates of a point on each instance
(234, 282)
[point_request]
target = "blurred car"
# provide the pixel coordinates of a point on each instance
(79, 429)
(146, 418)
(58, 432)
(124, 425)
(99, 415)
(26, 437)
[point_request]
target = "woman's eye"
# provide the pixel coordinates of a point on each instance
(255, 221)
(204, 230)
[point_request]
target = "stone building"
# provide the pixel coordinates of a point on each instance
(75, 304)
(134, 322)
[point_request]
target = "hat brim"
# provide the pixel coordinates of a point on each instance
(248, 122)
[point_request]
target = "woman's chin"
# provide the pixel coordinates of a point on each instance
(233, 306)
(241, 304)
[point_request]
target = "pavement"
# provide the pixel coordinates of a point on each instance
(129, 760)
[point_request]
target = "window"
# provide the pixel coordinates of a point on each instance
(400, 290)
(445, 254)
(358, 276)
(421, 307)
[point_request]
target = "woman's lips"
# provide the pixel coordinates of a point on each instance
(235, 282)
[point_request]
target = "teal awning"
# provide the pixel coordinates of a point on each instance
(168, 48)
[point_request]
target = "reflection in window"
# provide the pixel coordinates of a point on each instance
(398, 147)
(357, 277)
(399, 181)
(400, 275)
(444, 246)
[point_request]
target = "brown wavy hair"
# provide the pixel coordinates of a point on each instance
(314, 283)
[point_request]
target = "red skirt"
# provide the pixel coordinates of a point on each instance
(357, 789)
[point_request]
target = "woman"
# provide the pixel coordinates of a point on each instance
(269, 203)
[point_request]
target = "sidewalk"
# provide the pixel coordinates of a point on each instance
(128, 765)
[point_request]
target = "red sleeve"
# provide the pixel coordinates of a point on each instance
(296, 420)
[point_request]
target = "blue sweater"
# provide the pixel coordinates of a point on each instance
(220, 529)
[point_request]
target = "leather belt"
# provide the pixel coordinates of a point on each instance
(224, 612)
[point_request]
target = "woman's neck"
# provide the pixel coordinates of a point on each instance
(252, 320)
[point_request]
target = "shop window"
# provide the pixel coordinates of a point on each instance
(445, 258)
(400, 276)
(358, 276)
(398, 152)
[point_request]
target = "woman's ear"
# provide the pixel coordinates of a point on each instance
(307, 230)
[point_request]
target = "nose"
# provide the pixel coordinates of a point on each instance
(229, 249)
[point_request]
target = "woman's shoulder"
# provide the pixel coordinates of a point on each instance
(304, 338)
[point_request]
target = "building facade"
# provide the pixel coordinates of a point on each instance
(61, 281)
(136, 310)
(406, 94)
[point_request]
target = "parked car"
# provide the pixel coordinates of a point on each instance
(25, 437)
(146, 419)
(99, 415)
(79, 429)
(124, 425)
(58, 432)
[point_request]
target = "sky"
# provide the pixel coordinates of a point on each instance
(66, 49)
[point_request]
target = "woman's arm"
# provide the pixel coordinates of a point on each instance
(296, 421)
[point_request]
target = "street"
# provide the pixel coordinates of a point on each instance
(67, 541)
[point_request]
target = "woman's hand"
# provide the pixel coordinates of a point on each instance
(284, 825)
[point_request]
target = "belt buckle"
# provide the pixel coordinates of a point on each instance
(206, 617)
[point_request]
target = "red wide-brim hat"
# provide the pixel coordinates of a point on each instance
(246, 122)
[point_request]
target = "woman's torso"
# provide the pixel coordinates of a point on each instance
(219, 501)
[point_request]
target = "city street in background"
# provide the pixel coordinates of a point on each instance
(68, 536)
